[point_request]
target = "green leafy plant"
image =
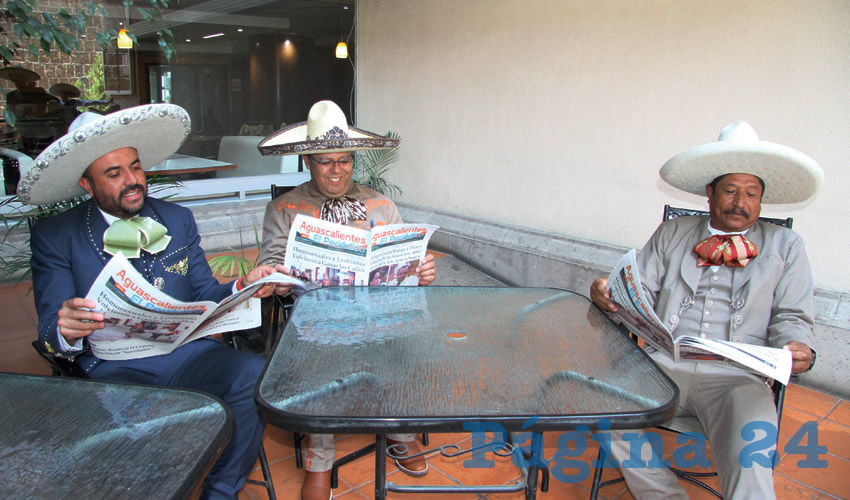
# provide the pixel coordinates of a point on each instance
(236, 266)
(372, 165)
(93, 84)
(17, 218)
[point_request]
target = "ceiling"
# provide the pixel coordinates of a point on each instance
(325, 21)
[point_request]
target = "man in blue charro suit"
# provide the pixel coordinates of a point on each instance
(105, 156)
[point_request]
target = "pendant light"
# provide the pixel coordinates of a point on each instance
(341, 47)
(124, 40)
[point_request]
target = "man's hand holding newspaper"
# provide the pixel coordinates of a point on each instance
(635, 311)
(142, 321)
(323, 253)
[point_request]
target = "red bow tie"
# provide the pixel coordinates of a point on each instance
(733, 251)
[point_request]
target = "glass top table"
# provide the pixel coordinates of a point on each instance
(178, 164)
(430, 359)
(73, 438)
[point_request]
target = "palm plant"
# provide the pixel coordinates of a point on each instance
(371, 166)
(236, 266)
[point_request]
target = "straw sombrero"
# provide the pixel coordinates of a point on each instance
(154, 130)
(325, 131)
(789, 175)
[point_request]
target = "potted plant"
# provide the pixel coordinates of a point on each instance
(236, 266)
(370, 167)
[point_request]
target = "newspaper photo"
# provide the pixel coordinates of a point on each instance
(636, 312)
(323, 253)
(142, 321)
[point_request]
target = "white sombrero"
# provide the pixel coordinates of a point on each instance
(789, 175)
(154, 130)
(325, 131)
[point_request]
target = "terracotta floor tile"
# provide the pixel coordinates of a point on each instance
(564, 468)
(557, 489)
(787, 488)
(10, 302)
(362, 470)
(831, 479)
(24, 365)
(434, 477)
(278, 444)
(841, 413)
(354, 495)
(17, 325)
(438, 439)
(793, 419)
(20, 357)
(836, 437)
(809, 400)
(286, 479)
(502, 470)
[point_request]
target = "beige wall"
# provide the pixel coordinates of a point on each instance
(559, 113)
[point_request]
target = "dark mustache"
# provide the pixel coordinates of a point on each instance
(737, 211)
(131, 188)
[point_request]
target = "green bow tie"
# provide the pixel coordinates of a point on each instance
(130, 236)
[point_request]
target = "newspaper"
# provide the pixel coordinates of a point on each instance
(323, 253)
(142, 321)
(635, 312)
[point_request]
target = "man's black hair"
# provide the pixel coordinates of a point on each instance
(719, 178)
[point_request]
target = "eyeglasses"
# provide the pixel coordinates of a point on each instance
(325, 163)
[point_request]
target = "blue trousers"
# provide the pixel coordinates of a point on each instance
(209, 366)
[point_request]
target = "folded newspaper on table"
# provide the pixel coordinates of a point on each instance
(142, 321)
(323, 253)
(635, 311)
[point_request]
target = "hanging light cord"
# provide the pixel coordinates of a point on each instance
(354, 80)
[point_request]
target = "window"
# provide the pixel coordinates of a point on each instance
(237, 69)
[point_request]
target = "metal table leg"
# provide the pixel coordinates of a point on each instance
(380, 466)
